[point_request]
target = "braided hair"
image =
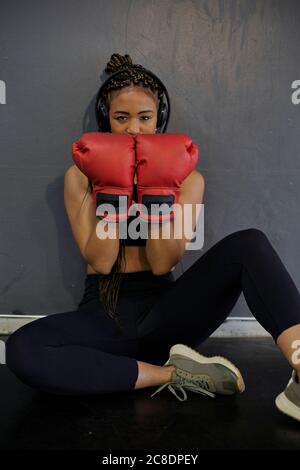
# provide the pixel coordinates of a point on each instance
(133, 74)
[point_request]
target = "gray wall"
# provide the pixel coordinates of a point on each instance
(228, 66)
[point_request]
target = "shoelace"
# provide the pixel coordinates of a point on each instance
(180, 386)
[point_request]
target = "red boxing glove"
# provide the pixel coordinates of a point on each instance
(164, 161)
(108, 160)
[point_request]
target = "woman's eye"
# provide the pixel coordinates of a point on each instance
(120, 118)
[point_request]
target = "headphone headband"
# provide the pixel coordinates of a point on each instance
(101, 111)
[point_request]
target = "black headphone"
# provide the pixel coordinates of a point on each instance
(163, 113)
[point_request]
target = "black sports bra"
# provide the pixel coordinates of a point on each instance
(129, 241)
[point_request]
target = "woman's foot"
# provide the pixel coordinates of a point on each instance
(289, 400)
(200, 374)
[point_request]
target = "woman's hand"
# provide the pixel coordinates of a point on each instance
(164, 162)
(108, 160)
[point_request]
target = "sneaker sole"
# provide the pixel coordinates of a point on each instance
(184, 350)
(287, 407)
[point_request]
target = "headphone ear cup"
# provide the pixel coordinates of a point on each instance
(162, 115)
(103, 117)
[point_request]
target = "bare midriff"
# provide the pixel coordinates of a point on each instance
(136, 261)
(135, 257)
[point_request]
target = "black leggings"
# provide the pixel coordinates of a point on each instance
(84, 352)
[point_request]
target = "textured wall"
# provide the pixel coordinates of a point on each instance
(228, 66)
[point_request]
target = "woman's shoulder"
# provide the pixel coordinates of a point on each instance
(196, 174)
(75, 175)
(194, 178)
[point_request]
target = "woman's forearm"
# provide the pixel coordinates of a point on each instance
(163, 253)
(100, 253)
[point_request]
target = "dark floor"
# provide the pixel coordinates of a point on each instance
(134, 421)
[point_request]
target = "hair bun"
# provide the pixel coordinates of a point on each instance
(118, 62)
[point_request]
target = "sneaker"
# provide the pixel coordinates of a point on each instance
(289, 400)
(199, 374)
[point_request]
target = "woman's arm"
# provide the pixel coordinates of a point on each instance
(100, 254)
(163, 254)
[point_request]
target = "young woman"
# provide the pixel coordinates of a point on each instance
(132, 310)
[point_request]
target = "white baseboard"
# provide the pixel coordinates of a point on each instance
(233, 327)
(10, 323)
(239, 327)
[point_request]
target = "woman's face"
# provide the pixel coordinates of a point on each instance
(133, 111)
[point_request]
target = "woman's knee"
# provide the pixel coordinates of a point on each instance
(21, 353)
(253, 237)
